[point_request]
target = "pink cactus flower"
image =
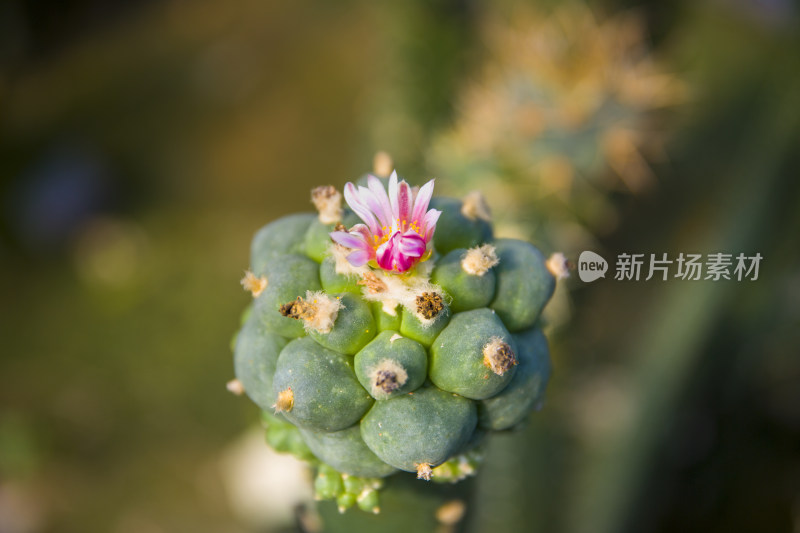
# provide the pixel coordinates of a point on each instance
(397, 228)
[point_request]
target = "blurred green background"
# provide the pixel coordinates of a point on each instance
(142, 143)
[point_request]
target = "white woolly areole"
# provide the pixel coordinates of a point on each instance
(397, 290)
(235, 386)
(324, 310)
(558, 265)
(477, 261)
(475, 207)
(386, 377)
(388, 289)
(390, 307)
(254, 284)
(394, 338)
(340, 263)
(424, 471)
(328, 202)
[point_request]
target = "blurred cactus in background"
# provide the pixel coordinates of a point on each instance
(565, 111)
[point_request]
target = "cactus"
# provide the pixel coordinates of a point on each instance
(396, 344)
(568, 111)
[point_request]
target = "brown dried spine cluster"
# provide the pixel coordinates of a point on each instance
(429, 305)
(498, 356)
(285, 401)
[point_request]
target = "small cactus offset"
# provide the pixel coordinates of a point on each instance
(391, 334)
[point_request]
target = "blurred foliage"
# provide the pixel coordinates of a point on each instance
(565, 109)
(142, 143)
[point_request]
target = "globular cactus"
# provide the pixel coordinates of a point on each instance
(393, 344)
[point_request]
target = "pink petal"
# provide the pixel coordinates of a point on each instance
(429, 222)
(363, 231)
(421, 201)
(384, 254)
(393, 195)
(358, 258)
(403, 263)
(400, 252)
(349, 240)
(352, 198)
(404, 202)
(369, 200)
(379, 193)
(411, 244)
